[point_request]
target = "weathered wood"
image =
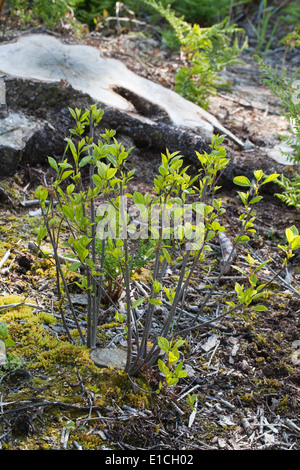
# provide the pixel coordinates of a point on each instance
(47, 104)
(46, 58)
(142, 115)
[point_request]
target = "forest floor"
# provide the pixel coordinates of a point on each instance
(244, 369)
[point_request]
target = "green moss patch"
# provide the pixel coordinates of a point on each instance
(58, 378)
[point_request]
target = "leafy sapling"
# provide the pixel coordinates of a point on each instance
(248, 294)
(293, 242)
(172, 367)
(75, 210)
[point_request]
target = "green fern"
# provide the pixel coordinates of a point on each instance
(206, 51)
(291, 195)
(195, 84)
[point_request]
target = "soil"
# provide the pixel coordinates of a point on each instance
(244, 369)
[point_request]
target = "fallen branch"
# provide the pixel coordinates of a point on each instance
(19, 304)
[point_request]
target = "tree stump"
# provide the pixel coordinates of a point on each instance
(44, 76)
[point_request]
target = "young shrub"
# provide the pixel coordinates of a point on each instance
(180, 217)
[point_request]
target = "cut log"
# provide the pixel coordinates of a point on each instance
(45, 58)
(47, 105)
(153, 117)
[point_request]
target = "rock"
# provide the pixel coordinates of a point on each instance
(16, 130)
(109, 357)
(211, 342)
(279, 153)
(190, 371)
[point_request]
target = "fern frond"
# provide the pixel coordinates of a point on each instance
(291, 195)
(206, 51)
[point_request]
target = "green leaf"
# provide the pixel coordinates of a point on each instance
(74, 266)
(178, 368)
(3, 331)
(66, 174)
(242, 239)
(138, 302)
(259, 308)
(238, 269)
(289, 235)
(163, 344)
(243, 196)
(162, 367)
(72, 112)
(70, 189)
(295, 244)
(242, 181)
(155, 301)
(182, 373)
(97, 179)
(262, 265)
(270, 178)
(85, 160)
(73, 149)
(255, 199)
(258, 174)
(172, 381)
(9, 342)
(53, 163)
(253, 279)
(68, 212)
(78, 213)
(294, 230)
(178, 343)
(173, 356)
(138, 198)
(41, 233)
(110, 173)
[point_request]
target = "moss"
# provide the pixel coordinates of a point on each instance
(267, 295)
(90, 441)
(283, 406)
(260, 360)
(106, 326)
(12, 189)
(62, 352)
(63, 361)
(267, 386)
(46, 318)
(211, 429)
(143, 275)
(272, 384)
(285, 369)
(247, 398)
